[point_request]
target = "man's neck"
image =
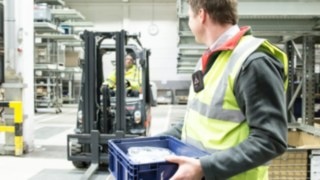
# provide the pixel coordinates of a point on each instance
(213, 32)
(129, 67)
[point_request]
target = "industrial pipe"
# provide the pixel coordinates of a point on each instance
(10, 35)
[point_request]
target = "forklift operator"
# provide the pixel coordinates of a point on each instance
(132, 75)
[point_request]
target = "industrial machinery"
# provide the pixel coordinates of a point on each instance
(102, 117)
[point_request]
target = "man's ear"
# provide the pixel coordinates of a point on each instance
(202, 15)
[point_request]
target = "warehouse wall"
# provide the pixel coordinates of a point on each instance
(136, 17)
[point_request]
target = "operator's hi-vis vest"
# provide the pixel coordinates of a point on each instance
(133, 75)
(214, 120)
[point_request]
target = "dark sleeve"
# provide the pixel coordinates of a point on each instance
(174, 130)
(260, 94)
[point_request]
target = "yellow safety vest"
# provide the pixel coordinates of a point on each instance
(133, 75)
(213, 120)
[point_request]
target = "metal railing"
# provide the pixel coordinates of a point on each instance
(17, 127)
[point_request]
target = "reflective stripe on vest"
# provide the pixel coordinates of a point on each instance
(215, 109)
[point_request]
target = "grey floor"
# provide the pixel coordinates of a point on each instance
(48, 160)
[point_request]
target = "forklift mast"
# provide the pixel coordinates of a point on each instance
(95, 122)
(94, 78)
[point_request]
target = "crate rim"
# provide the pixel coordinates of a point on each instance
(113, 142)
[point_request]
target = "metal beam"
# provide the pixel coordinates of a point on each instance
(274, 24)
(275, 30)
(306, 8)
(46, 27)
(66, 14)
(306, 128)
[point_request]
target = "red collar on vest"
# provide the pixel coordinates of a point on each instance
(229, 45)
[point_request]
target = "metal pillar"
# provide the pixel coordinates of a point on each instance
(18, 72)
(308, 79)
(10, 34)
(291, 79)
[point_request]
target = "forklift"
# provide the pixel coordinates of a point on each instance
(104, 115)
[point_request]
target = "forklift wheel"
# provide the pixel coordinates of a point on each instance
(80, 164)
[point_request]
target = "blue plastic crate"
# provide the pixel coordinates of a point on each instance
(123, 168)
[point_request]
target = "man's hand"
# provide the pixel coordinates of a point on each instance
(189, 168)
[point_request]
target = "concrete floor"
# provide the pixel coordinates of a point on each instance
(49, 161)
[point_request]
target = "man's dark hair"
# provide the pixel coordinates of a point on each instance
(133, 56)
(221, 11)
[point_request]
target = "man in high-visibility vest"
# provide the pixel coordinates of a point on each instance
(236, 107)
(132, 75)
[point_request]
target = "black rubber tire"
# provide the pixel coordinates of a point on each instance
(76, 149)
(80, 164)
